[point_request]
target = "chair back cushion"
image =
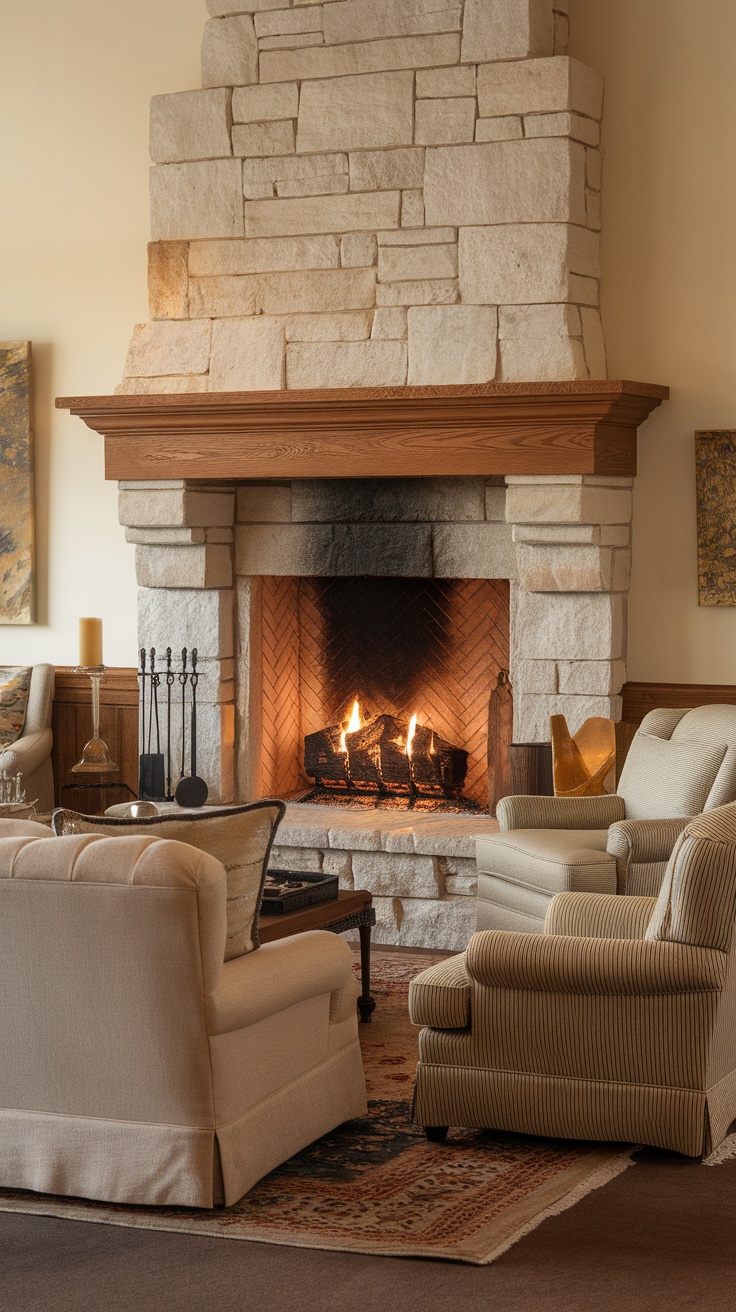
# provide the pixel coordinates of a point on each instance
(663, 779)
(240, 837)
(15, 684)
(713, 724)
(697, 900)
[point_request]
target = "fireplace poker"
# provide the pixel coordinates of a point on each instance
(151, 764)
(169, 683)
(183, 681)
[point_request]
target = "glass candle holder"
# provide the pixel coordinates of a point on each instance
(96, 757)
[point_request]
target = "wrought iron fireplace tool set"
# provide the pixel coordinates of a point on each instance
(155, 766)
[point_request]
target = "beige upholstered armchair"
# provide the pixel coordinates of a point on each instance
(30, 755)
(680, 763)
(618, 1023)
(136, 1066)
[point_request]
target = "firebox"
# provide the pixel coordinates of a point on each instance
(376, 690)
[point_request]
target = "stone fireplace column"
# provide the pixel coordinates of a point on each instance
(183, 534)
(572, 538)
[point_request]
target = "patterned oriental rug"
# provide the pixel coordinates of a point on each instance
(376, 1185)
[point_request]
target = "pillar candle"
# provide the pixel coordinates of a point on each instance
(90, 642)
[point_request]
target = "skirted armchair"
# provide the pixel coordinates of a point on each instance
(617, 1023)
(680, 763)
(138, 1067)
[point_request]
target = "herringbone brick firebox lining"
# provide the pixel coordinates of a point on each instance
(455, 633)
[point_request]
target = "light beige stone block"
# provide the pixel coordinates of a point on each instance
(219, 535)
(591, 678)
(229, 52)
(507, 29)
(190, 125)
(536, 676)
(168, 279)
(539, 85)
(247, 355)
(584, 291)
(224, 8)
(371, 110)
(297, 550)
(348, 327)
(412, 209)
(308, 175)
(570, 626)
(562, 33)
(593, 169)
(205, 566)
(539, 181)
(402, 263)
(264, 503)
(539, 321)
(168, 346)
(445, 122)
(262, 255)
(346, 364)
(586, 130)
(537, 534)
(295, 41)
(296, 858)
(621, 574)
(564, 568)
(437, 291)
(538, 360)
(532, 713)
(394, 874)
(595, 347)
(421, 237)
(593, 211)
(461, 885)
(520, 263)
(499, 129)
(567, 503)
(473, 551)
(360, 57)
(358, 250)
(367, 20)
(309, 291)
(452, 343)
(165, 537)
(202, 199)
(446, 924)
(263, 104)
(278, 22)
(168, 384)
(615, 535)
(438, 82)
(255, 139)
(390, 324)
(169, 618)
(176, 508)
(384, 170)
(315, 214)
(495, 502)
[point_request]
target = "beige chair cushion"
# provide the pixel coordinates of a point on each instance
(440, 996)
(553, 860)
(15, 684)
(663, 778)
(241, 838)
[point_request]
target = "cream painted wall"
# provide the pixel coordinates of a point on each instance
(76, 77)
(669, 292)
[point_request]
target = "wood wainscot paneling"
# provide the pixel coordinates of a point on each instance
(72, 726)
(640, 698)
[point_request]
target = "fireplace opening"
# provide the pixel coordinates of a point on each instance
(375, 691)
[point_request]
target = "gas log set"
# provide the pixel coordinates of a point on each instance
(384, 756)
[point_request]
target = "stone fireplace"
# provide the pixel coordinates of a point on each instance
(396, 203)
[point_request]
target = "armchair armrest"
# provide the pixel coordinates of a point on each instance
(440, 996)
(560, 812)
(276, 976)
(27, 753)
(639, 842)
(551, 963)
(599, 915)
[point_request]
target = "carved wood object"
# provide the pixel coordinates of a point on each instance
(581, 763)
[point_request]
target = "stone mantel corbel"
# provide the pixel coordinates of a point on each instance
(485, 429)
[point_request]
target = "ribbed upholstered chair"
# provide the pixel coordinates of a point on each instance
(618, 1023)
(680, 763)
(30, 755)
(137, 1067)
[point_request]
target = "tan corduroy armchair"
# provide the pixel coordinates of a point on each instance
(680, 763)
(618, 1023)
(136, 1066)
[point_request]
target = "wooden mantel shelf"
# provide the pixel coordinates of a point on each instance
(492, 428)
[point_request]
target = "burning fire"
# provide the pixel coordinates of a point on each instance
(410, 734)
(354, 723)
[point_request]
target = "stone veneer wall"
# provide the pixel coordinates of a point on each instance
(375, 192)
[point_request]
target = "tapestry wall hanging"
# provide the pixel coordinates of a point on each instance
(715, 483)
(17, 585)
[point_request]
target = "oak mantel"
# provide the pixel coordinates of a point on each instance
(493, 428)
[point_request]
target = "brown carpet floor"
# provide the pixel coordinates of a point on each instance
(662, 1236)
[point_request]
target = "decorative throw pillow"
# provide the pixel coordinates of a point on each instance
(664, 780)
(15, 685)
(241, 837)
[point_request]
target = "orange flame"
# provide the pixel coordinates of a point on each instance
(410, 734)
(354, 723)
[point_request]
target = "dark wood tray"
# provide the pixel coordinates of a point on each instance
(309, 889)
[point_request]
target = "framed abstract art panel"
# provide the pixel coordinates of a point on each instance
(17, 580)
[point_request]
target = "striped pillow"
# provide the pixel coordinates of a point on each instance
(15, 685)
(663, 780)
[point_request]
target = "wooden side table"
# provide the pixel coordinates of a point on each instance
(350, 910)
